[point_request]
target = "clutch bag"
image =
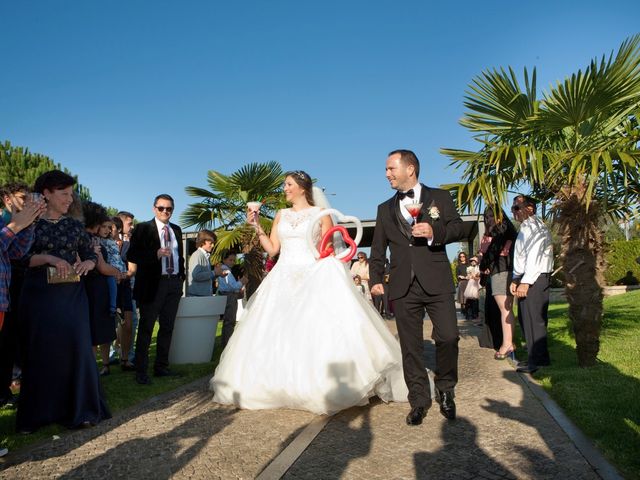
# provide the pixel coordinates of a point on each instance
(53, 277)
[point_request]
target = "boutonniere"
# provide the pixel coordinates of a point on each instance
(434, 213)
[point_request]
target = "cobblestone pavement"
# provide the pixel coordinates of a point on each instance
(502, 431)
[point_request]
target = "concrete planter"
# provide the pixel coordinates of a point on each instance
(194, 332)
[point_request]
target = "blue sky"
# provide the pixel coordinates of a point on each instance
(139, 98)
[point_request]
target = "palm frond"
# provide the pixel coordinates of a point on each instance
(583, 133)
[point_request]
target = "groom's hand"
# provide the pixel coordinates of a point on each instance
(377, 289)
(422, 230)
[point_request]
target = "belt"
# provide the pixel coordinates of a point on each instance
(166, 275)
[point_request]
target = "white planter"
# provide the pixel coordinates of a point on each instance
(194, 332)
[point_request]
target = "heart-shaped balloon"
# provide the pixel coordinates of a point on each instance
(328, 237)
(346, 255)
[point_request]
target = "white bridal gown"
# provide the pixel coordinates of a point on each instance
(307, 339)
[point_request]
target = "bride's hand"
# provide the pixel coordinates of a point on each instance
(252, 218)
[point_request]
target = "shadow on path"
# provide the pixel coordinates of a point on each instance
(73, 439)
(158, 457)
(459, 457)
(346, 437)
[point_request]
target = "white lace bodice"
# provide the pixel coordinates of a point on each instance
(292, 232)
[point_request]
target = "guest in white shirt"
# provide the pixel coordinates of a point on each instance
(532, 266)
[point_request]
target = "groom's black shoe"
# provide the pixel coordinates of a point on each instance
(447, 405)
(416, 415)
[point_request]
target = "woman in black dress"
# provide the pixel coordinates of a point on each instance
(497, 259)
(60, 382)
(102, 321)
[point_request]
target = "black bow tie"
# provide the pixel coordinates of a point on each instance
(409, 193)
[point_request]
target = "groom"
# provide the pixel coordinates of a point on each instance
(420, 278)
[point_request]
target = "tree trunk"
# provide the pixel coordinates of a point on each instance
(582, 258)
(254, 268)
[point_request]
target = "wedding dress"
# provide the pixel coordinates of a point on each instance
(307, 339)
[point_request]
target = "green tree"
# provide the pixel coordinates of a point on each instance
(576, 148)
(223, 208)
(18, 164)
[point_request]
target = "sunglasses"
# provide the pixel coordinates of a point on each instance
(515, 208)
(162, 209)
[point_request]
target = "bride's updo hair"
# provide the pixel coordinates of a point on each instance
(303, 180)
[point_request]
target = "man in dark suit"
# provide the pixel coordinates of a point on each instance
(156, 249)
(420, 278)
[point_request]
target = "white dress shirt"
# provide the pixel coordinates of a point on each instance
(173, 246)
(533, 253)
(417, 191)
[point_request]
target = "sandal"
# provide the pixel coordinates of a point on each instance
(501, 356)
(105, 371)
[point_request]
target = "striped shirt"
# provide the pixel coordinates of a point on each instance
(12, 247)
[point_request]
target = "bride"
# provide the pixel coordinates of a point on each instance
(307, 339)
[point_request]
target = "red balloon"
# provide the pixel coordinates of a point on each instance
(326, 251)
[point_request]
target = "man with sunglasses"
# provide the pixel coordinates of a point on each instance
(532, 266)
(156, 249)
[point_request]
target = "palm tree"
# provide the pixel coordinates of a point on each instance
(576, 148)
(223, 208)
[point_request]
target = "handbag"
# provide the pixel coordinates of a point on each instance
(472, 290)
(54, 278)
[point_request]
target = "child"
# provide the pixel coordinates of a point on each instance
(108, 233)
(357, 280)
(473, 275)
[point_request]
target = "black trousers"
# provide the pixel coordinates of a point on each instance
(10, 348)
(164, 308)
(409, 311)
(533, 318)
(9, 339)
(229, 317)
(381, 302)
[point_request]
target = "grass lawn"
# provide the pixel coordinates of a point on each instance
(604, 401)
(121, 392)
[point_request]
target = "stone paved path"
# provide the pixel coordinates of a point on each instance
(502, 431)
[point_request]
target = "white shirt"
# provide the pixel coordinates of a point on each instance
(533, 251)
(417, 191)
(174, 248)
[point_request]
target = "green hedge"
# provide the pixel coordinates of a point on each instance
(621, 258)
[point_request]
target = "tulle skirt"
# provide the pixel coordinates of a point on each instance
(308, 340)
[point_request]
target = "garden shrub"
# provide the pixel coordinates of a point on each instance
(621, 258)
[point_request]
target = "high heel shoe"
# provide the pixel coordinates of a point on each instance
(508, 354)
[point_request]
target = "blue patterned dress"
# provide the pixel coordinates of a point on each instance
(60, 381)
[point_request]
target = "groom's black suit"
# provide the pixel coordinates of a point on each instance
(420, 277)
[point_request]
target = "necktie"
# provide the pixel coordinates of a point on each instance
(167, 244)
(408, 193)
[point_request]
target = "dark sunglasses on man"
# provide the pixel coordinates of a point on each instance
(162, 209)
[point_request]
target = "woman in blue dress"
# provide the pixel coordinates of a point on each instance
(60, 382)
